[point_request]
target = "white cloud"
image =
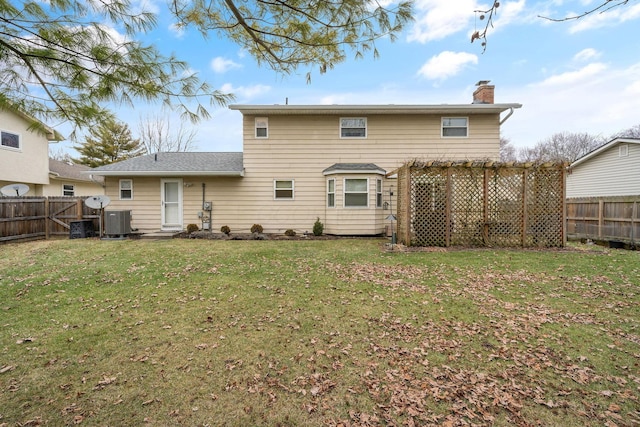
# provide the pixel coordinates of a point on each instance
(597, 100)
(176, 30)
(586, 73)
(446, 64)
(609, 18)
(222, 65)
(245, 92)
(586, 55)
(437, 19)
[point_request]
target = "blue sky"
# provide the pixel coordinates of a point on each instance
(575, 76)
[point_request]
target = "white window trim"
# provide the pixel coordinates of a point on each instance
(344, 194)
(442, 135)
(331, 192)
(73, 190)
(379, 201)
(120, 189)
(256, 127)
(6, 147)
(293, 189)
(366, 128)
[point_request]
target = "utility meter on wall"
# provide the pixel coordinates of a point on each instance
(206, 206)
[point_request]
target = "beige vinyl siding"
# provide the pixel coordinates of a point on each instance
(230, 203)
(301, 147)
(81, 188)
(607, 174)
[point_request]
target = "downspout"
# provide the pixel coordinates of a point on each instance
(101, 184)
(508, 115)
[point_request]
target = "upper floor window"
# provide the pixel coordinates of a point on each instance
(10, 140)
(455, 127)
(126, 189)
(283, 189)
(68, 190)
(353, 127)
(262, 127)
(331, 193)
(356, 192)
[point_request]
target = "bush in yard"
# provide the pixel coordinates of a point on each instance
(290, 233)
(318, 228)
(225, 229)
(256, 228)
(192, 228)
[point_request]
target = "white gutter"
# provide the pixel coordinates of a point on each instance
(166, 173)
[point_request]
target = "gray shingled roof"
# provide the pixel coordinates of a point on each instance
(71, 171)
(354, 168)
(176, 164)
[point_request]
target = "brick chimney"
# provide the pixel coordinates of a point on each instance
(484, 93)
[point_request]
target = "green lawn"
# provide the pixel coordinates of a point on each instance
(315, 333)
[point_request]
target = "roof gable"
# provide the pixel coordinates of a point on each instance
(604, 148)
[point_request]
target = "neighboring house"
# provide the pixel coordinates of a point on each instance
(610, 170)
(69, 179)
(24, 150)
(303, 162)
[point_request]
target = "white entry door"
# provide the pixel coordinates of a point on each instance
(171, 204)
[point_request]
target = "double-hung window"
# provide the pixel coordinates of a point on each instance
(331, 193)
(378, 193)
(455, 127)
(68, 190)
(353, 127)
(262, 127)
(126, 189)
(283, 189)
(356, 192)
(9, 140)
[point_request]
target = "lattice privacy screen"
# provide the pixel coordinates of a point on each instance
(481, 204)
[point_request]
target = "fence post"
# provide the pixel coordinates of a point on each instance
(79, 212)
(46, 218)
(407, 206)
(600, 218)
(525, 202)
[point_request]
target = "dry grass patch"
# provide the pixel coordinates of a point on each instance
(193, 332)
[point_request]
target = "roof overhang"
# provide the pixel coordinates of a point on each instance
(353, 168)
(390, 109)
(166, 173)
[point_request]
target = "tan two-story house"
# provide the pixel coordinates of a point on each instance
(304, 162)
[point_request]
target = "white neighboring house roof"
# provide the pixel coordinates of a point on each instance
(602, 148)
(374, 109)
(176, 164)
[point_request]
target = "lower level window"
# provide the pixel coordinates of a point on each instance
(283, 189)
(68, 190)
(331, 193)
(126, 189)
(356, 192)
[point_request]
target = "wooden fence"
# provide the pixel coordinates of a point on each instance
(481, 204)
(605, 219)
(31, 218)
